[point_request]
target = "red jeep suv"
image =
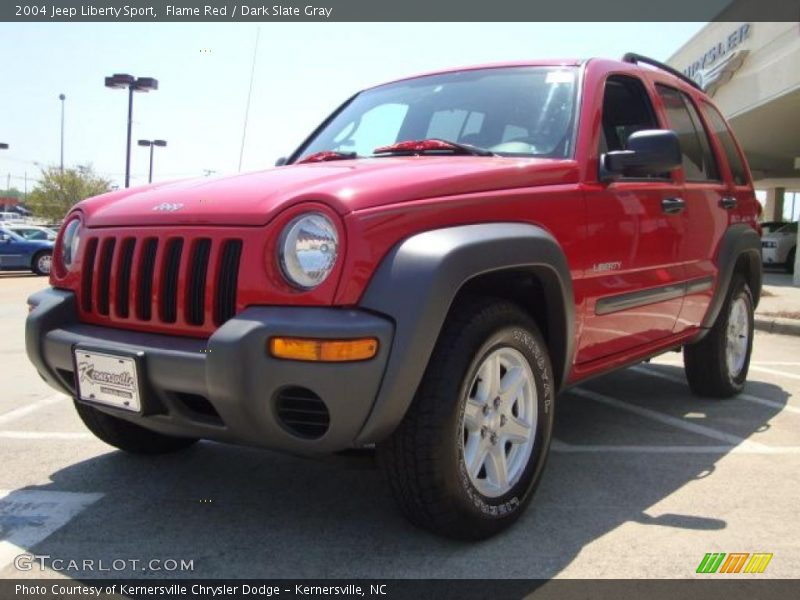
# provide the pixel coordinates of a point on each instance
(439, 259)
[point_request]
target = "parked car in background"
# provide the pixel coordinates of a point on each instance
(770, 226)
(34, 232)
(16, 252)
(780, 246)
(7, 218)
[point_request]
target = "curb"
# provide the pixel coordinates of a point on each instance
(778, 325)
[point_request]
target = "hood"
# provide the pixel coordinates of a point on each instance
(346, 186)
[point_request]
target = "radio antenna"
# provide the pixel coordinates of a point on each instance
(249, 95)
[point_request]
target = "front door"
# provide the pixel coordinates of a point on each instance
(634, 278)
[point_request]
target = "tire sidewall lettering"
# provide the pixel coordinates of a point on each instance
(522, 340)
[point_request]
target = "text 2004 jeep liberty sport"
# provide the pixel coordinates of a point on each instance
(429, 269)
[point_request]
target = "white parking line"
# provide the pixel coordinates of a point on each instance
(743, 396)
(775, 372)
(23, 411)
(29, 516)
(666, 419)
(559, 446)
(45, 435)
(780, 363)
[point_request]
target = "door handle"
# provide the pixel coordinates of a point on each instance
(728, 202)
(672, 206)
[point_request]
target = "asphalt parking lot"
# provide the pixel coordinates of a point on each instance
(644, 479)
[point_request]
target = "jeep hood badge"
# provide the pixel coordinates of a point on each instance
(168, 207)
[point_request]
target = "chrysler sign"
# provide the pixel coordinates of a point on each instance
(720, 62)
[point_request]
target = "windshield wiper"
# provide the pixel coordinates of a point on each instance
(432, 145)
(327, 155)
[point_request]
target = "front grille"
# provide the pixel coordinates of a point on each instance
(169, 283)
(124, 284)
(160, 280)
(144, 284)
(87, 284)
(104, 276)
(227, 281)
(198, 269)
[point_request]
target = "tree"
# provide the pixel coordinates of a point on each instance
(58, 192)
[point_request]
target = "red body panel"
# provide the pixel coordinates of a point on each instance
(615, 236)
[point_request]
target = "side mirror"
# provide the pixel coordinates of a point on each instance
(650, 152)
(281, 161)
(5, 238)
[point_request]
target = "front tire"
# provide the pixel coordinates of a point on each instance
(128, 436)
(471, 450)
(717, 365)
(790, 260)
(42, 261)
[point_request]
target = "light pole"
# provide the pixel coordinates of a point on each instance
(62, 97)
(4, 146)
(152, 144)
(134, 84)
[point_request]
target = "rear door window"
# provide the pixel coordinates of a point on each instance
(697, 159)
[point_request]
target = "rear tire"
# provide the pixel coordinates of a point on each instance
(790, 260)
(42, 261)
(128, 436)
(717, 365)
(471, 450)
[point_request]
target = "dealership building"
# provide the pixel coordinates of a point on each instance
(752, 71)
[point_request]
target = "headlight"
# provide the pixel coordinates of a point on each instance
(70, 243)
(308, 250)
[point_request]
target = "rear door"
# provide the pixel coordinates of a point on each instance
(708, 206)
(634, 278)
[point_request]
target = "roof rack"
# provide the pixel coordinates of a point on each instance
(632, 57)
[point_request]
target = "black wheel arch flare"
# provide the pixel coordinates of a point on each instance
(418, 280)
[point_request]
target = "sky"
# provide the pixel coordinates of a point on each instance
(302, 72)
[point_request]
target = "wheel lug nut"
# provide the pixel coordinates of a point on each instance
(502, 420)
(497, 402)
(493, 438)
(483, 432)
(485, 409)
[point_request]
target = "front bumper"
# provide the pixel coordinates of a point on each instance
(225, 388)
(773, 256)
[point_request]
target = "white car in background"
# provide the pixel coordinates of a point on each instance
(34, 232)
(780, 247)
(9, 218)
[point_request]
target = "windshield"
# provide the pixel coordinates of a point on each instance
(11, 235)
(30, 233)
(514, 111)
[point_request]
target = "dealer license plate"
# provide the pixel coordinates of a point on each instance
(107, 379)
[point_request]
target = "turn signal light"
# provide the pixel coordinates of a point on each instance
(291, 348)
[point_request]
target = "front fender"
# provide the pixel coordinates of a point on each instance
(417, 281)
